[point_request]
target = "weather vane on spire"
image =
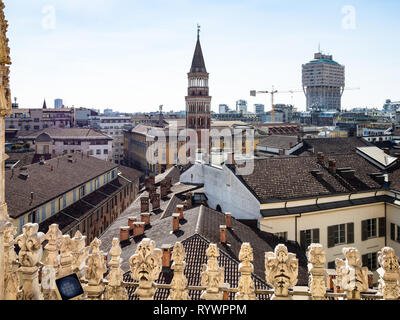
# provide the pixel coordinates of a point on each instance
(198, 31)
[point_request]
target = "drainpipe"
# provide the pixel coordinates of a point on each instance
(299, 216)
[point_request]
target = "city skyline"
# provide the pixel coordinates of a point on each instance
(133, 56)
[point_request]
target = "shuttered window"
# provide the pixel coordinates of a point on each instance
(340, 234)
(393, 232)
(382, 227)
(307, 237)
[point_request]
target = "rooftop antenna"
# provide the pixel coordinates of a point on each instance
(198, 32)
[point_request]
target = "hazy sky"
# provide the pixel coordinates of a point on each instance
(134, 55)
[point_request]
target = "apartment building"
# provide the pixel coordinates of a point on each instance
(57, 141)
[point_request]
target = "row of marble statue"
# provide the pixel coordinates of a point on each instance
(63, 255)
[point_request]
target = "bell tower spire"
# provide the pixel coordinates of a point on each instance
(198, 100)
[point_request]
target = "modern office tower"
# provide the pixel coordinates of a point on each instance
(241, 106)
(223, 108)
(58, 103)
(323, 83)
(259, 108)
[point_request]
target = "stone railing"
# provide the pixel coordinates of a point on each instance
(31, 274)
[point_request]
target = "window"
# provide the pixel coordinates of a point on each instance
(340, 234)
(91, 186)
(98, 151)
(370, 261)
(21, 224)
(282, 236)
(32, 217)
(53, 207)
(43, 213)
(82, 191)
(105, 151)
(332, 265)
(64, 201)
(307, 237)
(373, 228)
(74, 195)
(394, 232)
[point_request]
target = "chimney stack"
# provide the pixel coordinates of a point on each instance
(138, 229)
(156, 201)
(179, 210)
(320, 158)
(131, 221)
(175, 222)
(222, 233)
(145, 217)
(123, 234)
(144, 204)
(189, 200)
(332, 166)
(166, 255)
(228, 219)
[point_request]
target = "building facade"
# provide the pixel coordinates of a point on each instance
(323, 83)
(55, 142)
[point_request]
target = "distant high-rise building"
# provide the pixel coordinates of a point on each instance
(223, 108)
(58, 103)
(241, 106)
(323, 83)
(259, 108)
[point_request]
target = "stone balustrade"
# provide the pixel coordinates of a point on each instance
(32, 274)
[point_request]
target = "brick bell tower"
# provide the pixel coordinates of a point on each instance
(198, 100)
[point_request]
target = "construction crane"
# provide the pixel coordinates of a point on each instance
(254, 93)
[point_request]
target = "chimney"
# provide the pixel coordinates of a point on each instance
(179, 210)
(332, 166)
(222, 234)
(123, 234)
(164, 189)
(156, 201)
(189, 200)
(138, 229)
(320, 158)
(145, 217)
(166, 256)
(299, 139)
(175, 222)
(144, 204)
(228, 220)
(387, 151)
(131, 221)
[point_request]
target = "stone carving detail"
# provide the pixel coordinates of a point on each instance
(212, 276)
(389, 274)
(316, 261)
(94, 271)
(30, 254)
(351, 276)
(80, 254)
(115, 289)
(246, 284)
(5, 61)
(65, 257)
(54, 237)
(179, 282)
(281, 271)
(145, 266)
(49, 288)
(11, 281)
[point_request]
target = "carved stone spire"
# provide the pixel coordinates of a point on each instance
(145, 266)
(179, 282)
(115, 289)
(351, 276)
(212, 276)
(30, 254)
(281, 271)
(316, 262)
(246, 284)
(80, 254)
(11, 281)
(95, 271)
(389, 274)
(66, 258)
(54, 238)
